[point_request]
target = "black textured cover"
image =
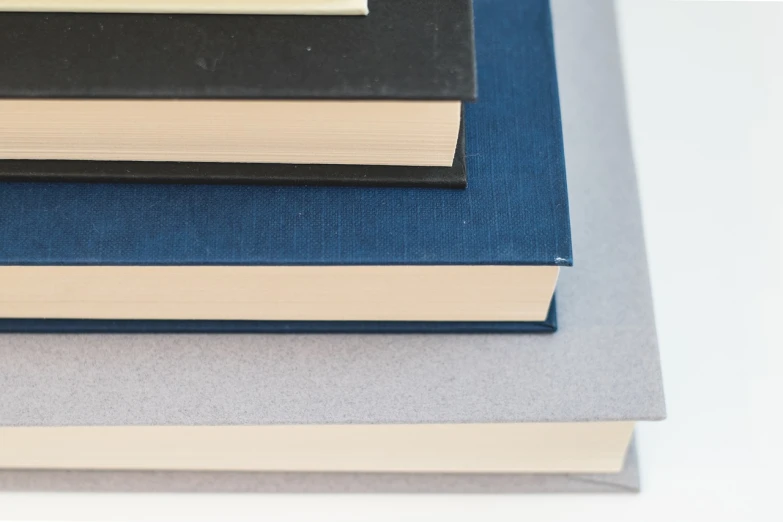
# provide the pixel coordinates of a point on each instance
(454, 177)
(405, 49)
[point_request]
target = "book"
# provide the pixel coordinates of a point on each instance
(490, 254)
(594, 447)
(454, 177)
(279, 7)
(548, 325)
(601, 370)
(627, 481)
(239, 89)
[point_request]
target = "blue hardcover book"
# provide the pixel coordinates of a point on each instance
(184, 258)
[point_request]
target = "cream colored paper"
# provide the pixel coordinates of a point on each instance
(296, 293)
(588, 447)
(289, 7)
(332, 132)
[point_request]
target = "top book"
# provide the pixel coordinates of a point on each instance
(281, 7)
(382, 89)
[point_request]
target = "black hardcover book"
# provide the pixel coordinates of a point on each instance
(417, 55)
(405, 49)
(454, 177)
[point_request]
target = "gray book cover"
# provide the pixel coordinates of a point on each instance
(603, 365)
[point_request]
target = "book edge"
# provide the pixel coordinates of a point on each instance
(265, 7)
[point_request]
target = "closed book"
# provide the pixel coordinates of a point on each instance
(454, 177)
(376, 413)
(136, 326)
(384, 89)
(489, 254)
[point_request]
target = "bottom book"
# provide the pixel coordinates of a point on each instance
(486, 413)
(626, 481)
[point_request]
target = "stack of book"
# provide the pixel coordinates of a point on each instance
(313, 245)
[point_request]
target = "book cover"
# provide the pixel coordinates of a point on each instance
(603, 365)
(284, 90)
(405, 49)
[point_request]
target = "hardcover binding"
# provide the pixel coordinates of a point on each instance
(514, 211)
(454, 177)
(405, 49)
(73, 326)
(603, 365)
(625, 482)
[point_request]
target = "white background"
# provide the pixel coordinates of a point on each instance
(705, 83)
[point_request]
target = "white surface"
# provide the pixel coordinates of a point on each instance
(706, 92)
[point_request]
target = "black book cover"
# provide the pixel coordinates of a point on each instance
(405, 49)
(454, 177)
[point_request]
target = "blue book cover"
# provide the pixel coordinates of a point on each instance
(514, 211)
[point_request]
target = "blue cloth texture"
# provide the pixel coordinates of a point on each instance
(514, 211)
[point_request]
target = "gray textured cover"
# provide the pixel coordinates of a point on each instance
(603, 365)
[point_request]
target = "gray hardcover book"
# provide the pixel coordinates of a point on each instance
(602, 366)
(627, 481)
